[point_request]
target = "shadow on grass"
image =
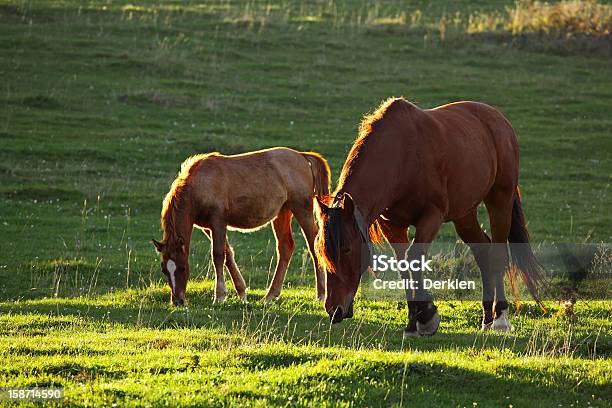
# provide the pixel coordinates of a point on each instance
(293, 319)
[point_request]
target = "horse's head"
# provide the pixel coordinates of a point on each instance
(341, 247)
(175, 266)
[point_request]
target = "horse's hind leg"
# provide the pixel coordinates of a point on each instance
(305, 218)
(237, 278)
(284, 250)
(471, 233)
(499, 205)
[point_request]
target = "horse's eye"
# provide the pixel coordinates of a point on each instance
(346, 250)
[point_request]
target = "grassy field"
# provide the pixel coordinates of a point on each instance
(101, 101)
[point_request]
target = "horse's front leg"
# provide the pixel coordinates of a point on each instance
(421, 307)
(219, 231)
(234, 271)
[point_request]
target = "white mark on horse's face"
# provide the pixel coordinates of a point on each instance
(171, 267)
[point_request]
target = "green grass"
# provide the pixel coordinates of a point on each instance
(99, 104)
(134, 348)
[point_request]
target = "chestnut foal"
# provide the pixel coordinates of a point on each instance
(240, 192)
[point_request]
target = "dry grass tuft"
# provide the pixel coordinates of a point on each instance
(563, 19)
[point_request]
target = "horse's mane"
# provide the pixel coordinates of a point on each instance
(370, 122)
(334, 229)
(174, 200)
(328, 244)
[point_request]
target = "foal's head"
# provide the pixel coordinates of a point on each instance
(175, 266)
(342, 248)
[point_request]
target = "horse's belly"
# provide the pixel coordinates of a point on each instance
(249, 212)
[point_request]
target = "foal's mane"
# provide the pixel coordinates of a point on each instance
(178, 194)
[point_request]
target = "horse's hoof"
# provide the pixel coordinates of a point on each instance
(486, 326)
(410, 334)
(219, 299)
(410, 331)
(502, 322)
(430, 328)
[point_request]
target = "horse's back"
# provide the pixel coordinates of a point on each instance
(250, 189)
(489, 117)
(287, 169)
(469, 118)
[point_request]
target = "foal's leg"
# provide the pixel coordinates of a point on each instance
(499, 205)
(471, 233)
(230, 262)
(235, 274)
(219, 231)
(306, 221)
(426, 315)
(284, 249)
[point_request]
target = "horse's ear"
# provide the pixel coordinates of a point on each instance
(348, 204)
(322, 205)
(159, 246)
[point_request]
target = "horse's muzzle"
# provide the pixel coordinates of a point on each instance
(338, 313)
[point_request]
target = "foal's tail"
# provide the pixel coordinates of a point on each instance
(320, 172)
(523, 257)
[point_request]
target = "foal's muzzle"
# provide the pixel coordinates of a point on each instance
(178, 300)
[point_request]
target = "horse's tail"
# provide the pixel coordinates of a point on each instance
(320, 172)
(522, 255)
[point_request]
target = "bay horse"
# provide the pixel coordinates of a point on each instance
(240, 192)
(424, 167)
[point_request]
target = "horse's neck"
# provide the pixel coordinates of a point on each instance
(369, 196)
(181, 226)
(373, 179)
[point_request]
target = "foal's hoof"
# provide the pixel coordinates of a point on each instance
(502, 322)
(219, 299)
(270, 297)
(243, 297)
(430, 328)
